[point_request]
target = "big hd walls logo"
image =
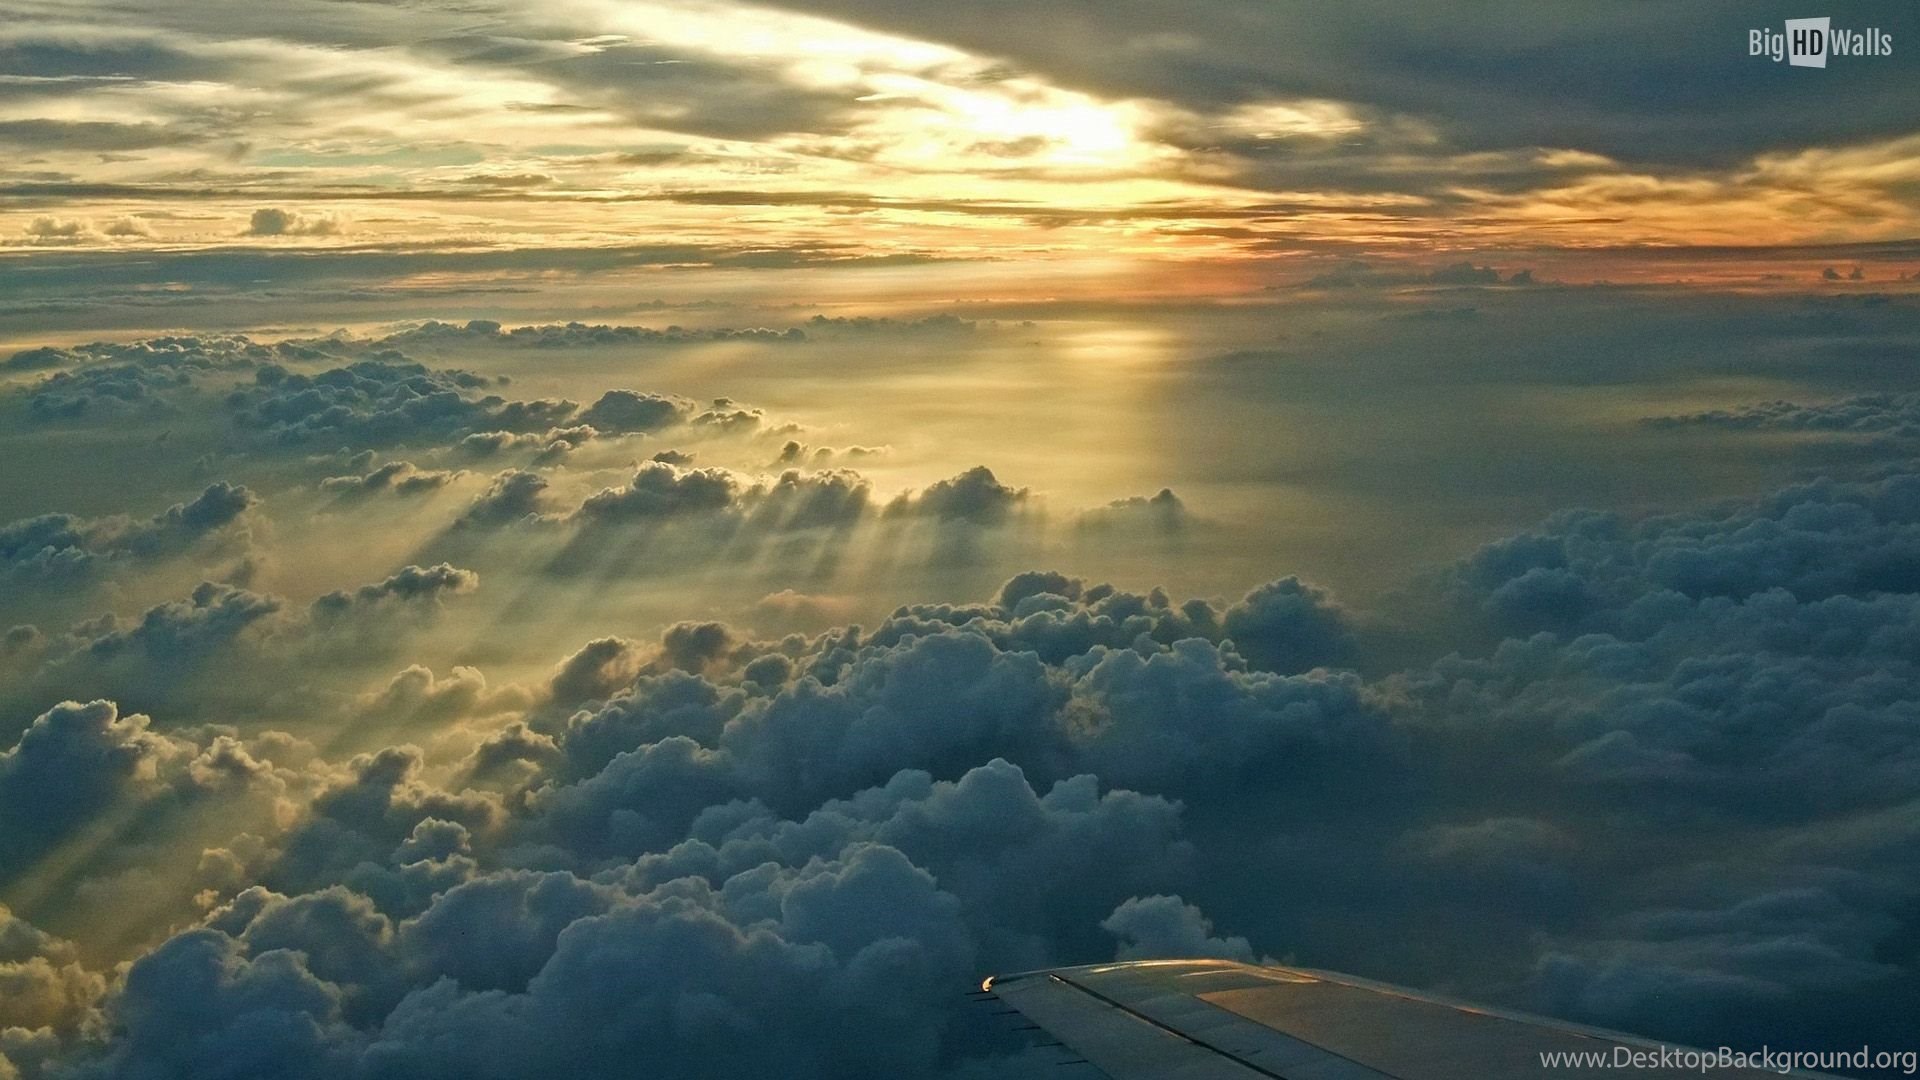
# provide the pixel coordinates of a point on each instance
(1808, 42)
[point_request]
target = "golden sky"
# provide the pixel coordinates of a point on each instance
(1280, 137)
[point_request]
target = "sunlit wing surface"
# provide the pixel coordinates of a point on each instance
(1216, 1020)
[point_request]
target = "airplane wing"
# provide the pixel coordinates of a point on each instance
(1217, 1020)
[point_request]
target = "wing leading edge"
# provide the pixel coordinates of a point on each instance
(1218, 1020)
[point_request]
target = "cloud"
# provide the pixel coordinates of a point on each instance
(659, 490)
(272, 221)
(385, 399)
(398, 477)
(381, 401)
(866, 325)
(128, 225)
(631, 411)
(513, 495)
(1357, 275)
(146, 376)
(976, 496)
(789, 607)
(52, 550)
(1867, 414)
(71, 761)
(1289, 626)
(1159, 927)
(1382, 68)
(575, 335)
(222, 645)
(43, 134)
(1163, 513)
(38, 359)
(1019, 781)
(77, 766)
(410, 585)
(828, 928)
(56, 230)
(599, 668)
(1604, 765)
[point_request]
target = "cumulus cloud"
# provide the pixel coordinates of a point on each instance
(43, 986)
(222, 645)
(1163, 513)
(147, 376)
(128, 225)
(1022, 780)
(1159, 927)
(70, 761)
(1055, 771)
(629, 410)
(62, 549)
(48, 230)
(39, 359)
(794, 452)
(273, 221)
(385, 398)
(398, 477)
(410, 585)
(659, 491)
(381, 401)
(513, 495)
(976, 496)
(810, 933)
(1289, 625)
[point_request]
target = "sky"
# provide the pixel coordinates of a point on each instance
(583, 537)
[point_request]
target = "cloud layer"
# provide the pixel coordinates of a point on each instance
(361, 768)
